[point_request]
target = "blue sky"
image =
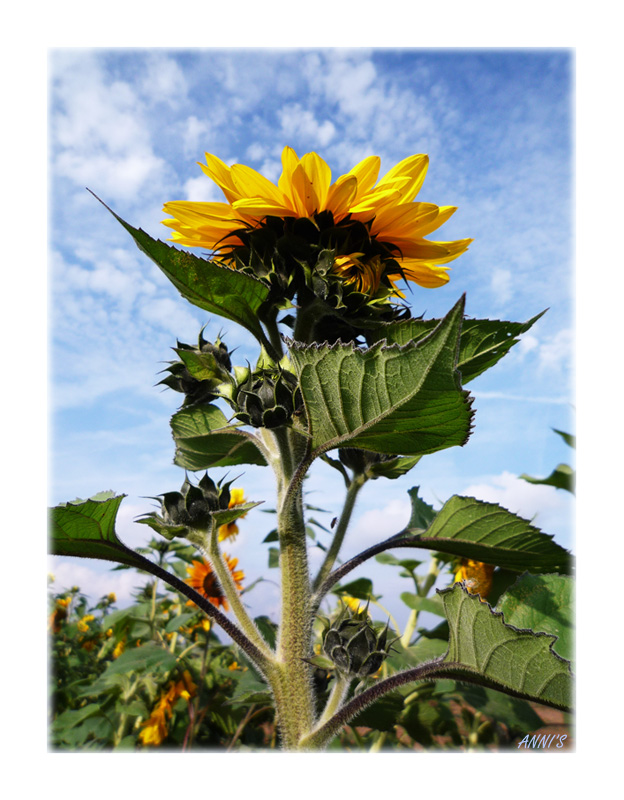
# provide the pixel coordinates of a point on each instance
(131, 125)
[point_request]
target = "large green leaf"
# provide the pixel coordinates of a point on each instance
(86, 528)
(204, 439)
(483, 646)
(486, 532)
(227, 292)
(543, 603)
(482, 344)
(395, 399)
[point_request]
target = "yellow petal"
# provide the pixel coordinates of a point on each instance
(415, 169)
(219, 172)
(319, 174)
(252, 184)
(290, 160)
(303, 193)
(341, 195)
(366, 173)
(428, 275)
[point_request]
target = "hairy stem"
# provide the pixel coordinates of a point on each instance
(292, 683)
(227, 584)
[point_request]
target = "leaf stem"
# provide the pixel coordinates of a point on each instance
(422, 591)
(353, 490)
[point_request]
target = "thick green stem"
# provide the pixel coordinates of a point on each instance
(343, 523)
(291, 679)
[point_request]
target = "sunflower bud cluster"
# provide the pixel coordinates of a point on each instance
(190, 509)
(268, 398)
(199, 372)
(353, 644)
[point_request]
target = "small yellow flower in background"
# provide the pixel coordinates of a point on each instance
(477, 575)
(119, 648)
(59, 615)
(204, 580)
(155, 728)
(112, 597)
(83, 624)
(109, 633)
(230, 530)
(305, 190)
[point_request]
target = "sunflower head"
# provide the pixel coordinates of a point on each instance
(203, 579)
(345, 244)
(190, 513)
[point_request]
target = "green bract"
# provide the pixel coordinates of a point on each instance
(354, 645)
(193, 510)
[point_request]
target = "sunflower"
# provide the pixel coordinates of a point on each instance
(230, 530)
(477, 575)
(392, 220)
(204, 580)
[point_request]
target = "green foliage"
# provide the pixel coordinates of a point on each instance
(155, 674)
(405, 400)
(486, 532)
(232, 294)
(86, 528)
(113, 669)
(543, 603)
(519, 661)
(204, 439)
(563, 476)
(482, 344)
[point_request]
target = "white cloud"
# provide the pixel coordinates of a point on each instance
(95, 582)
(501, 285)
(377, 524)
(164, 81)
(202, 190)
(98, 129)
(195, 134)
(555, 354)
(300, 123)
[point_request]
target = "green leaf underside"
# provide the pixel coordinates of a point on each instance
(483, 342)
(543, 603)
(562, 477)
(395, 399)
(482, 644)
(204, 439)
(87, 529)
(229, 293)
(486, 532)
